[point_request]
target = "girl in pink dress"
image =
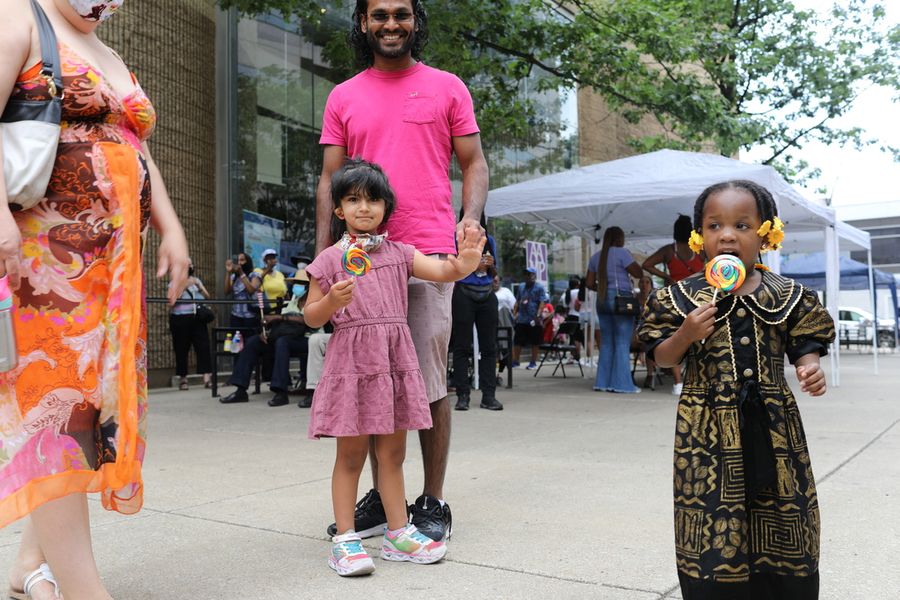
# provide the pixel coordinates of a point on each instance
(371, 384)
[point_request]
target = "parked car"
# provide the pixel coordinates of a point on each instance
(855, 324)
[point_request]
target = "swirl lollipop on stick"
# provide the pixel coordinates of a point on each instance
(356, 263)
(726, 273)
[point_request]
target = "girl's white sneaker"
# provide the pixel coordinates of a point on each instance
(348, 557)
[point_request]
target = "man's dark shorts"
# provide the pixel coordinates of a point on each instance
(529, 335)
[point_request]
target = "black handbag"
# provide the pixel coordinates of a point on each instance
(205, 314)
(625, 304)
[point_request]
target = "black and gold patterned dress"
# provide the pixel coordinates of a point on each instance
(746, 512)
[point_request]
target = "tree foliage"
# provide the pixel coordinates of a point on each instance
(713, 74)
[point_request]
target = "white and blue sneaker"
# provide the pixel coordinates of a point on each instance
(348, 557)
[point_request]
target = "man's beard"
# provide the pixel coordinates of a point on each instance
(402, 50)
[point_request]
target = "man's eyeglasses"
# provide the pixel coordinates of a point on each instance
(384, 17)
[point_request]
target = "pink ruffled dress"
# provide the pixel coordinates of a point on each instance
(371, 383)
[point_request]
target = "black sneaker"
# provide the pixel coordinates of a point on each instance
(369, 519)
(491, 403)
(431, 518)
(462, 402)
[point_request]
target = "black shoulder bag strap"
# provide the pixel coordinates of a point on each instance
(50, 111)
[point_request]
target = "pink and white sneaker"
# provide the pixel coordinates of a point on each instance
(348, 557)
(409, 544)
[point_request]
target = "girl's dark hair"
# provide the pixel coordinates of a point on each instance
(357, 176)
(765, 204)
(614, 236)
(247, 267)
(360, 44)
(681, 232)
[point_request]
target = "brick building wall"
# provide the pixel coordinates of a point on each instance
(170, 46)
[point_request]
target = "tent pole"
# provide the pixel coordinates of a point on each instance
(874, 313)
(832, 291)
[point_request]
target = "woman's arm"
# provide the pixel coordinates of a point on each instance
(661, 256)
(16, 33)
(202, 288)
(173, 248)
(635, 270)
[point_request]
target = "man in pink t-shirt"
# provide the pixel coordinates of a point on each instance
(410, 119)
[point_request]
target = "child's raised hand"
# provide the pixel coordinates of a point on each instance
(812, 379)
(470, 249)
(699, 323)
(341, 293)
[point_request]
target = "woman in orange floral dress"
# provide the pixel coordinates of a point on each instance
(73, 411)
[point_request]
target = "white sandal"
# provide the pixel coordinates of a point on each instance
(42, 573)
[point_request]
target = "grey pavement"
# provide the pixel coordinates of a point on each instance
(565, 494)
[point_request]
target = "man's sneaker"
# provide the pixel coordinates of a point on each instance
(516, 364)
(531, 366)
(368, 519)
(410, 545)
(432, 519)
(348, 557)
(676, 389)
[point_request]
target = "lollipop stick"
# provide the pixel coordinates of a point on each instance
(713, 302)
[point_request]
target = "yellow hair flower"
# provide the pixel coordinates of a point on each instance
(773, 232)
(776, 236)
(696, 242)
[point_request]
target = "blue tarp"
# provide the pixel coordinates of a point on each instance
(809, 269)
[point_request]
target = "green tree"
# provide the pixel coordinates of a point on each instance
(714, 74)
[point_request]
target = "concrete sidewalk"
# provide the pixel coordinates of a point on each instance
(565, 494)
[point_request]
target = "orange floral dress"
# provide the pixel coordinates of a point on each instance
(73, 411)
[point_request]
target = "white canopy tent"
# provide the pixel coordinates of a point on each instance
(643, 194)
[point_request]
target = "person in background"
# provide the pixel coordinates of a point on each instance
(529, 324)
(610, 272)
(241, 283)
(680, 262)
(506, 300)
(284, 335)
(315, 362)
(272, 280)
(188, 330)
(573, 313)
(474, 303)
(645, 288)
(585, 315)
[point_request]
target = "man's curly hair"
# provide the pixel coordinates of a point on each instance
(360, 43)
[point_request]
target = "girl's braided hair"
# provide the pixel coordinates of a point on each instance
(765, 204)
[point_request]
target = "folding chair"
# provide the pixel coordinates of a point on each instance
(560, 347)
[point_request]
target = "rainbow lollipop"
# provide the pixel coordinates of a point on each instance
(726, 273)
(356, 262)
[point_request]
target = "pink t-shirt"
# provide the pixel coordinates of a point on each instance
(405, 121)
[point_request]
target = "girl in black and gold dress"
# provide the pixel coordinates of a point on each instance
(746, 512)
